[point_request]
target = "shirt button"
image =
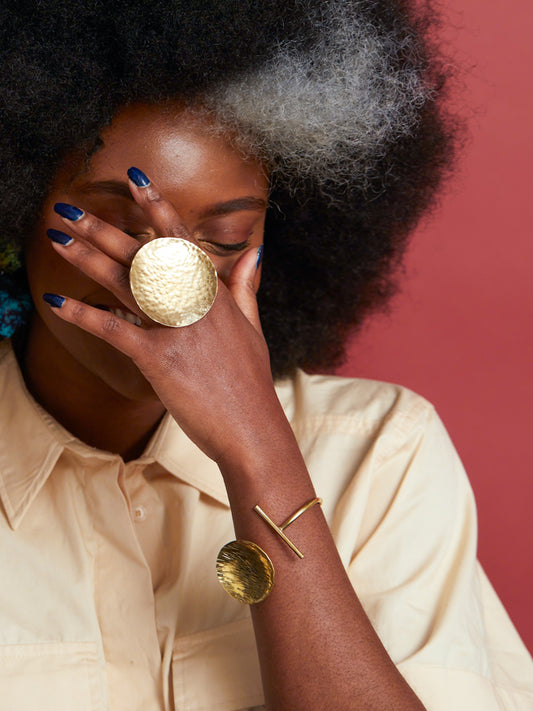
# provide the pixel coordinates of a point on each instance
(139, 513)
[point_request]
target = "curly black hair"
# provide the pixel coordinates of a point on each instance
(347, 187)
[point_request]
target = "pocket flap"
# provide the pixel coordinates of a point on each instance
(56, 676)
(217, 669)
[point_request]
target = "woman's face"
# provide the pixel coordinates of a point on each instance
(220, 197)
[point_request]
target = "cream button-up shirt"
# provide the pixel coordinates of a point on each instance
(108, 594)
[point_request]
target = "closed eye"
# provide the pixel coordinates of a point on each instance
(225, 247)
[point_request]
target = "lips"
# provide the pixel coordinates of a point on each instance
(121, 313)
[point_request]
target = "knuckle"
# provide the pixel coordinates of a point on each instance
(122, 277)
(78, 312)
(178, 230)
(151, 195)
(171, 361)
(83, 253)
(110, 323)
(96, 226)
(92, 226)
(129, 253)
(164, 214)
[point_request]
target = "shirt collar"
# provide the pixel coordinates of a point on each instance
(174, 451)
(33, 442)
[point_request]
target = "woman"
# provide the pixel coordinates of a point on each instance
(132, 451)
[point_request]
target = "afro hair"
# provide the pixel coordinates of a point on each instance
(344, 101)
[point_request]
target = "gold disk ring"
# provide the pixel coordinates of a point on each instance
(173, 281)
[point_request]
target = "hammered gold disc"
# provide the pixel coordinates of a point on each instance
(173, 281)
(245, 571)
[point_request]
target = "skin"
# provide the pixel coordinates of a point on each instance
(214, 378)
(197, 174)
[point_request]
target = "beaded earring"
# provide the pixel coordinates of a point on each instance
(15, 299)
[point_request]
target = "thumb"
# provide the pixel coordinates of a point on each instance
(243, 284)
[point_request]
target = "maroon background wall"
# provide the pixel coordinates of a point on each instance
(461, 332)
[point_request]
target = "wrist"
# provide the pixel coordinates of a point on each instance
(271, 472)
(256, 452)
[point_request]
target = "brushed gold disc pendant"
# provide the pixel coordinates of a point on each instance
(173, 281)
(245, 571)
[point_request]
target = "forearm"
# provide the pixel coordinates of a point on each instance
(316, 645)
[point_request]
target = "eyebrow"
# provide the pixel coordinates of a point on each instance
(121, 189)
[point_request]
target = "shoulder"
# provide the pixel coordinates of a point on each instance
(354, 406)
(376, 451)
(332, 393)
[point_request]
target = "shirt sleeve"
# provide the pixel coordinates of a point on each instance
(415, 570)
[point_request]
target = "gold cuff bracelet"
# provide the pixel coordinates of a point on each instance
(279, 529)
(244, 569)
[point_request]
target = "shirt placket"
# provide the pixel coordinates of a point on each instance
(123, 595)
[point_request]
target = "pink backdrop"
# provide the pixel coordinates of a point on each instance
(461, 332)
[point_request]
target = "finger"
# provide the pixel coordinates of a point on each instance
(100, 268)
(108, 239)
(243, 283)
(160, 212)
(122, 335)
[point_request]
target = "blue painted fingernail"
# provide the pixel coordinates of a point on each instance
(68, 211)
(259, 257)
(54, 300)
(59, 237)
(138, 177)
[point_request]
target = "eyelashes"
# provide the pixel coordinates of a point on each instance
(207, 239)
(225, 249)
(221, 249)
(230, 247)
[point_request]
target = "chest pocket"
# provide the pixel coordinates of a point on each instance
(54, 676)
(217, 670)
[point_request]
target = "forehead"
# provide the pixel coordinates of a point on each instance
(176, 148)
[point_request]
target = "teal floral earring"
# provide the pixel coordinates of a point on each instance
(15, 299)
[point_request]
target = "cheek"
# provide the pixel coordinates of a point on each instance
(224, 266)
(48, 271)
(93, 355)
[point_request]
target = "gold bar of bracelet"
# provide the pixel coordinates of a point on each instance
(278, 530)
(300, 511)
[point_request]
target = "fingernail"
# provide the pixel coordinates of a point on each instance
(68, 211)
(138, 177)
(59, 237)
(54, 300)
(259, 257)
